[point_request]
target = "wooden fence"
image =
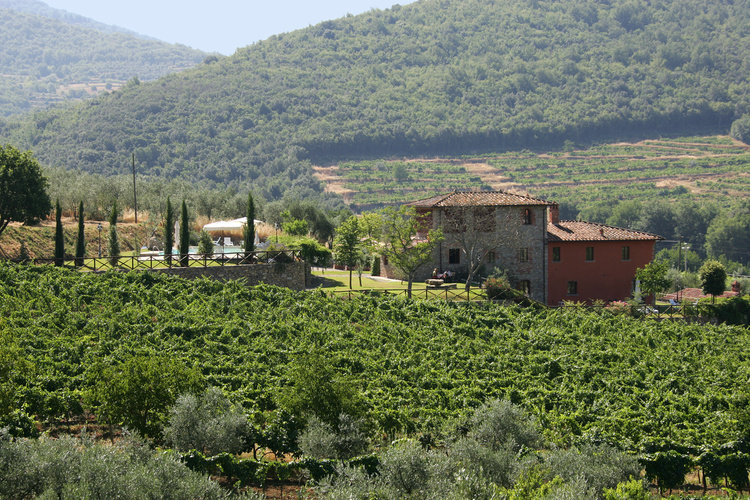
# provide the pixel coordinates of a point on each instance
(453, 294)
(146, 262)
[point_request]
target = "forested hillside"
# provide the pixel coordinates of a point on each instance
(432, 77)
(49, 56)
(42, 9)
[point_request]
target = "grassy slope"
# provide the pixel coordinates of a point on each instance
(40, 239)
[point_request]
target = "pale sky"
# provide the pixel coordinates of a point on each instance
(219, 25)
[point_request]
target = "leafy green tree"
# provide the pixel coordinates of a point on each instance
(400, 174)
(626, 214)
(168, 232)
(347, 244)
(23, 188)
(317, 221)
(59, 236)
(249, 229)
(315, 389)
(692, 222)
(184, 235)
(402, 248)
(653, 278)
(138, 392)
(741, 129)
(114, 243)
(713, 278)
(296, 227)
(729, 234)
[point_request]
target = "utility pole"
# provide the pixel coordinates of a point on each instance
(135, 198)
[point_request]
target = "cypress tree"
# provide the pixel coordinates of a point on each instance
(81, 242)
(250, 226)
(184, 235)
(168, 233)
(375, 266)
(59, 237)
(114, 244)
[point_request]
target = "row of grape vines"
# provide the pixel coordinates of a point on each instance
(415, 364)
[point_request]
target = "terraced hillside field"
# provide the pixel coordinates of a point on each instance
(715, 168)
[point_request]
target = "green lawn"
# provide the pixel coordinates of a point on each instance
(338, 282)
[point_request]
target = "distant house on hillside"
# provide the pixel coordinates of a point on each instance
(548, 259)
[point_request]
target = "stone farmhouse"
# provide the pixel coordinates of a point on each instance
(548, 259)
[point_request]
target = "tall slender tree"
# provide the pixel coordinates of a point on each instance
(81, 241)
(168, 232)
(59, 237)
(250, 225)
(347, 245)
(184, 235)
(114, 242)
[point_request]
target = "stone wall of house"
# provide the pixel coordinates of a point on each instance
(292, 275)
(508, 236)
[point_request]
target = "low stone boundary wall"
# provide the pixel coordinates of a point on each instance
(288, 274)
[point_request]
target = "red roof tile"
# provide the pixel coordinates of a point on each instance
(572, 230)
(479, 198)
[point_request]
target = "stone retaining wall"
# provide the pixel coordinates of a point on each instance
(290, 275)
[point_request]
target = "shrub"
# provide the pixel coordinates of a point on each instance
(500, 424)
(207, 422)
(600, 466)
(205, 244)
(499, 466)
(732, 310)
(70, 468)
(404, 468)
(314, 253)
(631, 490)
(18, 424)
(321, 440)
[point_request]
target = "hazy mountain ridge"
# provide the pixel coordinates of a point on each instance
(432, 77)
(47, 60)
(42, 9)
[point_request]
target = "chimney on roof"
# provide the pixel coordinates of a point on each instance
(554, 213)
(601, 231)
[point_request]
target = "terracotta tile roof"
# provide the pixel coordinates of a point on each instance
(479, 198)
(572, 230)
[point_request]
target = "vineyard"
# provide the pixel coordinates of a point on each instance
(703, 168)
(415, 364)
